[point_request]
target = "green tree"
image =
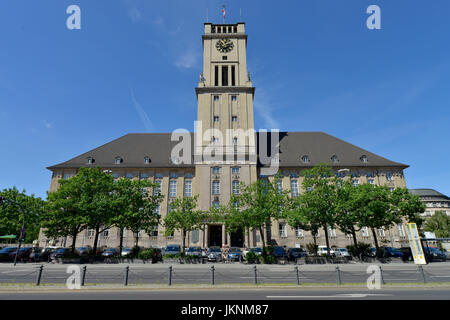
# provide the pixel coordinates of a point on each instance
(135, 207)
(375, 205)
(439, 223)
(407, 205)
(183, 216)
(319, 199)
(256, 206)
(64, 216)
(16, 207)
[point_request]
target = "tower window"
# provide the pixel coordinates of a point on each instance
(233, 76)
(224, 58)
(233, 98)
(224, 76)
(234, 118)
(216, 98)
(216, 118)
(216, 76)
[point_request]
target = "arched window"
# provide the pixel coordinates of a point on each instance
(334, 159)
(305, 159)
(147, 160)
(90, 160)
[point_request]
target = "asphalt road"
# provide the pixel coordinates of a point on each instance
(234, 294)
(157, 274)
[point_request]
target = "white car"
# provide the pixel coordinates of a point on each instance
(322, 250)
(341, 252)
(256, 250)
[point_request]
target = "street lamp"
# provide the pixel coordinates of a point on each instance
(22, 230)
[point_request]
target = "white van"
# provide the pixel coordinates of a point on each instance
(322, 250)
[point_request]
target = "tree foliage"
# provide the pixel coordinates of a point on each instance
(439, 223)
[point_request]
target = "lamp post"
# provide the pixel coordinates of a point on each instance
(22, 230)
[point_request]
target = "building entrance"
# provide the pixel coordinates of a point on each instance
(237, 239)
(215, 236)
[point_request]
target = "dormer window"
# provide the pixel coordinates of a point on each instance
(90, 160)
(146, 160)
(364, 159)
(118, 160)
(334, 159)
(305, 159)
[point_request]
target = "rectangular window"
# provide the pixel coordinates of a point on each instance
(224, 58)
(401, 230)
(158, 210)
(233, 98)
(294, 188)
(235, 170)
(331, 232)
(173, 188)
(216, 187)
(299, 233)
(282, 230)
(188, 188)
(216, 118)
(157, 189)
(154, 231)
(90, 233)
(233, 76)
(355, 182)
(235, 187)
(370, 181)
(216, 170)
(364, 232)
(381, 232)
(224, 76)
(234, 118)
(216, 76)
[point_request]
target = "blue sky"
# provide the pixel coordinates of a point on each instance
(134, 65)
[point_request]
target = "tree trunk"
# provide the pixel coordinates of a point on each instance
(74, 240)
(355, 243)
(248, 237)
(97, 233)
(262, 238)
(184, 241)
(375, 238)
(121, 241)
(315, 243)
(327, 242)
(136, 241)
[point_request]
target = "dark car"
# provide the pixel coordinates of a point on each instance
(434, 254)
(84, 251)
(279, 253)
(194, 251)
(295, 253)
(173, 249)
(5, 254)
(110, 253)
(41, 254)
(60, 253)
(235, 254)
(23, 254)
(214, 254)
(390, 252)
(407, 254)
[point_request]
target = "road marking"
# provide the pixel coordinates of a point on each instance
(17, 271)
(346, 295)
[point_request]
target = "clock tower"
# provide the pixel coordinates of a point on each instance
(225, 150)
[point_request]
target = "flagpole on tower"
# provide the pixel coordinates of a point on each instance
(224, 13)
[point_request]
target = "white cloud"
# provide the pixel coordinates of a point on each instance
(264, 109)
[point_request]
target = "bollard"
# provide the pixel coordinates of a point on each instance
(212, 275)
(39, 275)
(296, 273)
(83, 276)
(255, 277)
(170, 276)
(338, 276)
(381, 275)
(125, 278)
(422, 273)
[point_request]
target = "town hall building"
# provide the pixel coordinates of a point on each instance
(225, 96)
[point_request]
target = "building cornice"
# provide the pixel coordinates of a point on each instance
(225, 90)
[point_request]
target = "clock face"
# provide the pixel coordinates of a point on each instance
(224, 45)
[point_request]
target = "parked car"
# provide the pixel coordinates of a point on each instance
(23, 254)
(173, 249)
(322, 250)
(84, 251)
(392, 252)
(126, 252)
(110, 253)
(407, 254)
(5, 253)
(235, 254)
(295, 253)
(214, 254)
(433, 254)
(280, 253)
(255, 250)
(60, 253)
(342, 252)
(194, 251)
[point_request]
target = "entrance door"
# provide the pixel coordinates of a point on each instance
(237, 239)
(215, 236)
